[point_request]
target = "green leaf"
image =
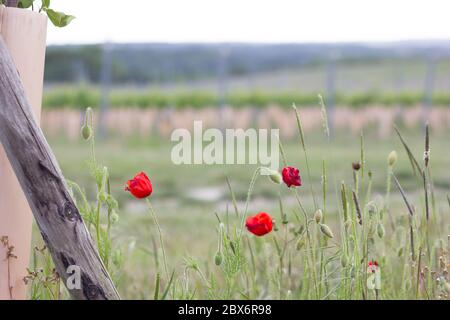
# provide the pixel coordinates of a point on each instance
(45, 3)
(24, 4)
(59, 19)
(163, 297)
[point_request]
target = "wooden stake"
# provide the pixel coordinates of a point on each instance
(40, 177)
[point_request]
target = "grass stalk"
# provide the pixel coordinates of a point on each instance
(161, 241)
(303, 143)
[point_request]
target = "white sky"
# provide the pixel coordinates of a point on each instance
(251, 20)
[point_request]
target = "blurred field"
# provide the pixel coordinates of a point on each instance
(356, 82)
(186, 197)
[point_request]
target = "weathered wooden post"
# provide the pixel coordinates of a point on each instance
(24, 33)
(42, 183)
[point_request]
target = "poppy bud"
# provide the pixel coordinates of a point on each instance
(86, 132)
(344, 260)
(259, 224)
(291, 177)
(352, 272)
(140, 186)
(371, 208)
(392, 158)
(218, 258)
(274, 175)
(102, 196)
(114, 217)
(318, 216)
(356, 166)
(326, 230)
(380, 230)
(300, 243)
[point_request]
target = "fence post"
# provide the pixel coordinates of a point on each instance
(40, 177)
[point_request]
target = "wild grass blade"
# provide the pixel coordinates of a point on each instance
(233, 197)
(157, 284)
(357, 207)
(414, 164)
(411, 215)
(166, 291)
(405, 199)
(303, 143)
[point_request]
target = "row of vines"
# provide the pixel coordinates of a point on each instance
(79, 97)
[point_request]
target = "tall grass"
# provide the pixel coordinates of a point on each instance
(319, 249)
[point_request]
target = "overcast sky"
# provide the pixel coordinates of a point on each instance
(251, 20)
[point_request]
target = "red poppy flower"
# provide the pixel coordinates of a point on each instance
(372, 266)
(140, 186)
(291, 177)
(259, 224)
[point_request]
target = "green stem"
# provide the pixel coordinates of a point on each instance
(160, 237)
(308, 237)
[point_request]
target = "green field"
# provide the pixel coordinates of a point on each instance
(78, 97)
(388, 82)
(187, 197)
